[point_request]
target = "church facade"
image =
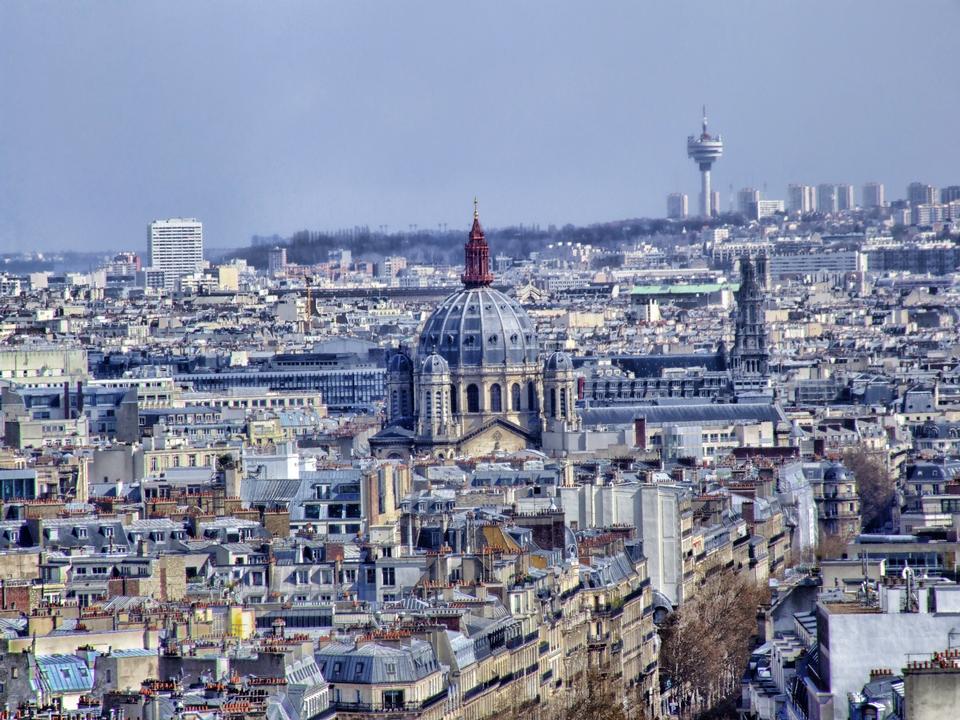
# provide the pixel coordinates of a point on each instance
(477, 382)
(741, 372)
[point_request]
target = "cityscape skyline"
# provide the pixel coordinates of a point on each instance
(326, 443)
(265, 149)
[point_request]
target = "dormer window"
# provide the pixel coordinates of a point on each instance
(81, 533)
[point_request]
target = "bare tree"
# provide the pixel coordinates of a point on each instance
(831, 547)
(875, 486)
(707, 642)
(593, 696)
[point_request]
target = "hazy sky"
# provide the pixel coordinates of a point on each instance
(263, 117)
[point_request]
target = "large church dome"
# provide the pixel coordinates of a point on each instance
(479, 325)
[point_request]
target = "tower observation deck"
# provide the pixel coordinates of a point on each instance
(705, 149)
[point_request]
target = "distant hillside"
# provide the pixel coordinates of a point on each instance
(308, 247)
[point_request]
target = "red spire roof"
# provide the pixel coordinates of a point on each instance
(476, 265)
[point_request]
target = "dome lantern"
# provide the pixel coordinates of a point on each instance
(476, 265)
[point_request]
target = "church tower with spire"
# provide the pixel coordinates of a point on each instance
(750, 356)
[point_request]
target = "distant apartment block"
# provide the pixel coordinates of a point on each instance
(801, 199)
(827, 198)
(766, 208)
(950, 194)
(175, 248)
(677, 206)
(919, 193)
(277, 260)
(817, 263)
(747, 198)
(873, 195)
(845, 199)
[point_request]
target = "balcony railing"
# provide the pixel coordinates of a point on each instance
(387, 708)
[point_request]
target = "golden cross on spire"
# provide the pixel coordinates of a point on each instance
(476, 212)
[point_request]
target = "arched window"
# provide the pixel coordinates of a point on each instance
(438, 401)
(473, 398)
(394, 404)
(553, 402)
(496, 398)
(427, 405)
(563, 402)
(532, 396)
(515, 397)
(453, 399)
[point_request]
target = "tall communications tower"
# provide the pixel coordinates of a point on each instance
(705, 150)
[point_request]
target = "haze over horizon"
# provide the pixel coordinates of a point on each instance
(262, 118)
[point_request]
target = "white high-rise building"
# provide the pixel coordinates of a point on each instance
(801, 199)
(277, 260)
(768, 208)
(176, 248)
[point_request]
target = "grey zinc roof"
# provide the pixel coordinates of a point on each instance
(373, 663)
(64, 674)
(609, 571)
(342, 475)
(667, 414)
(134, 652)
(479, 326)
(25, 473)
(12, 628)
(254, 490)
(645, 366)
(462, 648)
(281, 707)
(154, 524)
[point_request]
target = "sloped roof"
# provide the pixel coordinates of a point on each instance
(373, 663)
(60, 674)
(667, 414)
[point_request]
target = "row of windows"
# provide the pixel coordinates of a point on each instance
(192, 461)
(398, 400)
(336, 388)
(335, 511)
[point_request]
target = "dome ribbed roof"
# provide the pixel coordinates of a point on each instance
(558, 361)
(434, 364)
(837, 473)
(480, 326)
(399, 363)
